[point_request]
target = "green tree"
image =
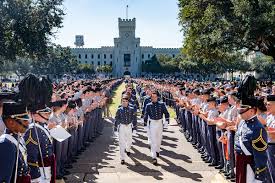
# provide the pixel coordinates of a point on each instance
(27, 25)
(214, 29)
(161, 64)
(263, 64)
(21, 66)
(152, 65)
(85, 69)
(105, 68)
(58, 61)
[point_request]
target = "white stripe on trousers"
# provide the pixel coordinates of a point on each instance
(125, 139)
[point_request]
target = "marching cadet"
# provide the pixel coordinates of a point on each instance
(147, 100)
(153, 117)
(270, 123)
(13, 166)
(250, 145)
(125, 119)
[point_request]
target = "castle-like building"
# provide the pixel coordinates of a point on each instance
(126, 56)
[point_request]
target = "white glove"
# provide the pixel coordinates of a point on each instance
(135, 133)
(165, 124)
(116, 133)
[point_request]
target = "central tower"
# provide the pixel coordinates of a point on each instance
(127, 48)
(127, 28)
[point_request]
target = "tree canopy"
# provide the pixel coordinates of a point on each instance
(161, 64)
(213, 30)
(58, 61)
(104, 68)
(26, 26)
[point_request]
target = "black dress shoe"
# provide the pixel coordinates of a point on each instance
(233, 179)
(219, 167)
(155, 162)
(208, 161)
(122, 162)
(128, 153)
(206, 158)
(212, 164)
(158, 154)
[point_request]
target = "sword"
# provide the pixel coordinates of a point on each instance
(39, 147)
(17, 156)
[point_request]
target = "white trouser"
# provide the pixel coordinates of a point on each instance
(148, 134)
(155, 128)
(125, 139)
(48, 174)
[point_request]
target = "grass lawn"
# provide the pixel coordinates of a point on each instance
(116, 94)
(172, 112)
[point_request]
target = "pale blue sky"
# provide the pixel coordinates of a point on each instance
(97, 20)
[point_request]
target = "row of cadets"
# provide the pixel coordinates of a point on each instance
(270, 124)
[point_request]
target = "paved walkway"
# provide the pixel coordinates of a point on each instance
(179, 161)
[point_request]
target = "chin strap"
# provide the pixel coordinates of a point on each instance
(20, 123)
(43, 117)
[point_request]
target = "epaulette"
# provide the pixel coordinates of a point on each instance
(259, 144)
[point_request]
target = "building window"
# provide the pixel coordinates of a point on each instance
(79, 56)
(92, 56)
(117, 45)
(104, 62)
(173, 55)
(111, 56)
(148, 55)
(92, 62)
(117, 60)
(127, 60)
(86, 56)
(98, 63)
(98, 56)
(79, 62)
(142, 56)
(85, 62)
(104, 56)
(111, 63)
(136, 59)
(136, 45)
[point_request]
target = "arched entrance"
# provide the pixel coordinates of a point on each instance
(127, 73)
